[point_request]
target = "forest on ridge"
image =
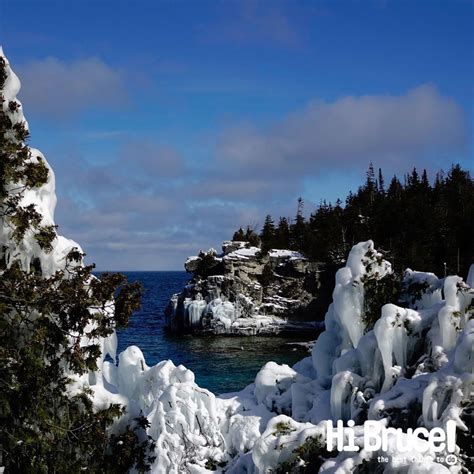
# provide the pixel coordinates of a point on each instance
(414, 222)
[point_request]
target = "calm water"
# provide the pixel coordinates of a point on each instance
(221, 364)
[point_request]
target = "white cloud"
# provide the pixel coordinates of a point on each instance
(351, 131)
(149, 202)
(249, 22)
(57, 89)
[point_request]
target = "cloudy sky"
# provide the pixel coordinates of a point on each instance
(170, 124)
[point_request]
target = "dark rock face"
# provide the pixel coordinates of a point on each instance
(243, 291)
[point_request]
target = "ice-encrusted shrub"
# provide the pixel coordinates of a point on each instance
(420, 289)
(370, 466)
(282, 428)
(378, 289)
(309, 457)
(378, 292)
(213, 465)
(415, 290)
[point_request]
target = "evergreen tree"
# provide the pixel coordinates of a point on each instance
(425, 183)
(298, 229)
(395, 189)
(239, 235)
(51, 329)
(268, 234)
(283, 234)
(371, 184)
(381, 183)
(413, 180)
(415, 223)
(252, 237)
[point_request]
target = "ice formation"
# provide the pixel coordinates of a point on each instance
(414, 368)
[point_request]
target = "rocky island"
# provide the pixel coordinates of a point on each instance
(247, 291)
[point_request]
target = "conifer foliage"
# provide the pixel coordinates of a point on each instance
(416, 223)
(51, 328)
(249, 236)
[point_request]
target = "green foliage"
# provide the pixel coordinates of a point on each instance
(19, 171)
(213, 465)
(45, 237)
(43, 325)
(206, 264)
(249, 236)
(268, 234)
(283, 429)
(35, 173)
(298, 230)
(239, 235)
(308, 458)
(416, 223)
(3, 73)
(378, 292)
(282, 234)
(371, 466)
(50, 332)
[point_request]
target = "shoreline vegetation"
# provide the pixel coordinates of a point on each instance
(68, 402)
(280, 279)
(416, 222)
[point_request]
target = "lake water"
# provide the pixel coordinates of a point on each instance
(220, 364)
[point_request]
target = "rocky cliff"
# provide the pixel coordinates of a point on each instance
(247, 291)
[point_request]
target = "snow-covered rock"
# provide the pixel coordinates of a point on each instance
(248, 292)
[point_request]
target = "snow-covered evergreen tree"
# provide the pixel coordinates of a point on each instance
(56, 325)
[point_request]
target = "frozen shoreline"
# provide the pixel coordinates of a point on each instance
(413, 368)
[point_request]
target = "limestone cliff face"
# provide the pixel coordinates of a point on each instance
(246, 291)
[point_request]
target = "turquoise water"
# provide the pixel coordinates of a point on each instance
(220, 364)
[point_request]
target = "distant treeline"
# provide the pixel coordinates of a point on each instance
(417, 224)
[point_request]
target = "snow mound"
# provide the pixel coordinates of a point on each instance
(284, 253)
(243, 253)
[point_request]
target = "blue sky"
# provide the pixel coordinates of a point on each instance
(170, 124)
